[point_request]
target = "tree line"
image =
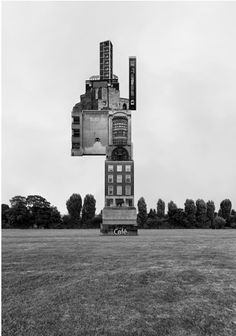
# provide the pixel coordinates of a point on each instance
(35, 211)
(199, 214)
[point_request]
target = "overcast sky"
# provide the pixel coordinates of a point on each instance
(184, 129)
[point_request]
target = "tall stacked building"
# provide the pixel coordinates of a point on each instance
(101, 125)
(106, 61)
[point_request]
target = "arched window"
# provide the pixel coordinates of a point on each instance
(120, 154)
(124, 106)
(120, 130)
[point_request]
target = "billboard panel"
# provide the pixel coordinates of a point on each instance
(94, 132)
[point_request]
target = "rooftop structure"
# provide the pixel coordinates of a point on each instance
(106, 60)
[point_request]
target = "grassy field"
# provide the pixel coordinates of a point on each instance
(162, 282)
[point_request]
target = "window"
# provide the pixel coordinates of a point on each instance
(76, 132)
(120, 130)
(110, 190)
(129, 201)
(119, 178)
(76, 120)
(128, 190)
(119, 190)
(119, 168)
(128, 168)
(119, 202)
(100, 93)
(110, 178)
(128, 178)
(109, 201)
(75, 145)
(110, 168)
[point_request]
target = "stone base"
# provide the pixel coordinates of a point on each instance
(118, 221)
(119, 230)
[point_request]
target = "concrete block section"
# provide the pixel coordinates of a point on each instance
(119, 221)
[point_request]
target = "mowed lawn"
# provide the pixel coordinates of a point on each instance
(76, 282)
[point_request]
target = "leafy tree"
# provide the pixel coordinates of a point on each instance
(18, 213)
(95, 222)
(5, 215)
(55, 218)
(211, 213)
(18, 200)
(67, 222)
(233, 212)
(225, 207)
(172, 207)
(89, 208)
(201, 214)
(178, 218)
(233, 219)
(74, 206)
(160, 208)
(151, 223)
(36, 201)
(152, 213)
(220, 213)
(190, 210)
(219, 222)
(142, 212)
(39, 209)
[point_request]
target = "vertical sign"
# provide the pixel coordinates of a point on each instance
(132, 83)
